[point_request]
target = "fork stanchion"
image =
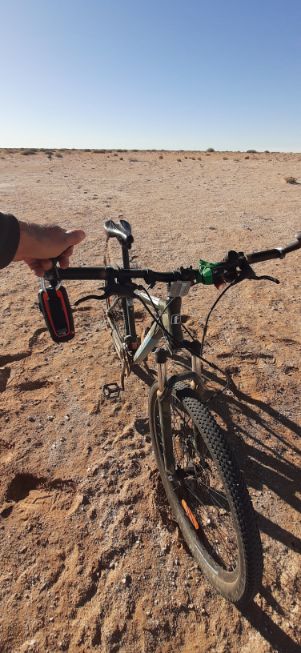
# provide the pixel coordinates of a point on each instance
(161, 358)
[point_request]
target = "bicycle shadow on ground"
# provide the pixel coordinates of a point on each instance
(253, 427)
(268, 629)
(259, 448)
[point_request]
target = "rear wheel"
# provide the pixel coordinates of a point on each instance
(208, 496)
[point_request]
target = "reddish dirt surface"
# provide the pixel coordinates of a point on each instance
(91, 558)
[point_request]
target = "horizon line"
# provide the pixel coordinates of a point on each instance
(96, 150)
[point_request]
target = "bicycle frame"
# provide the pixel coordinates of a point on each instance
(170, 313)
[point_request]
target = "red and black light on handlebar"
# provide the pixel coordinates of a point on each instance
(55, 307)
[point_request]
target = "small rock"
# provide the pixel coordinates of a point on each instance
(93, 513)
(85, 499)
(127, 580)
(31, 418)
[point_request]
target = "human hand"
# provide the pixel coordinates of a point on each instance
(41, 243)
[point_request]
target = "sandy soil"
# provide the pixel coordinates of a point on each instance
(90, 556)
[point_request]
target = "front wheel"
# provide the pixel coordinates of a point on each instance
(208, 495)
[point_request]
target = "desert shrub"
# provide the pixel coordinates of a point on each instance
(247, 157)
(251, 151)
(179, 160)
(59, 155)
(48, 153)
(29, 152)
(290, 180)
(210, 149)
(161, 156)
(199, 158)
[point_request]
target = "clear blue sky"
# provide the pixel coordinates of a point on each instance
(174, 74)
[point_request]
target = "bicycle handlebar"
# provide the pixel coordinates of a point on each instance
(233, 263)
(124, 276)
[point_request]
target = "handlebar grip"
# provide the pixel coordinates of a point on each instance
(277, 252)
(264, 255)
(292, 246)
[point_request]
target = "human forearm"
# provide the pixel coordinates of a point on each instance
(36, 244)
(9, 238)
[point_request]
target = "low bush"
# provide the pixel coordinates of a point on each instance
(29, 152)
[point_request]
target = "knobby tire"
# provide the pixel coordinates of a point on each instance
(238, 578)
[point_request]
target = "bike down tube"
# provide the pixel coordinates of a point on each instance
(155, 333)
(170, 314)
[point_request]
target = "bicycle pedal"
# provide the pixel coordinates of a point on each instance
(111, 390)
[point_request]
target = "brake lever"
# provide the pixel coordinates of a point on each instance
(266, 277)
(111, 289)
(87, 297)
(249, 273)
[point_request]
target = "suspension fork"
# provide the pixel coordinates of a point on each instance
(164, 395)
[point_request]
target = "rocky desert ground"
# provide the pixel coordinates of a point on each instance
(91, 559)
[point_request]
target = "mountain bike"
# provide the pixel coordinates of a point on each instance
(199, 471)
